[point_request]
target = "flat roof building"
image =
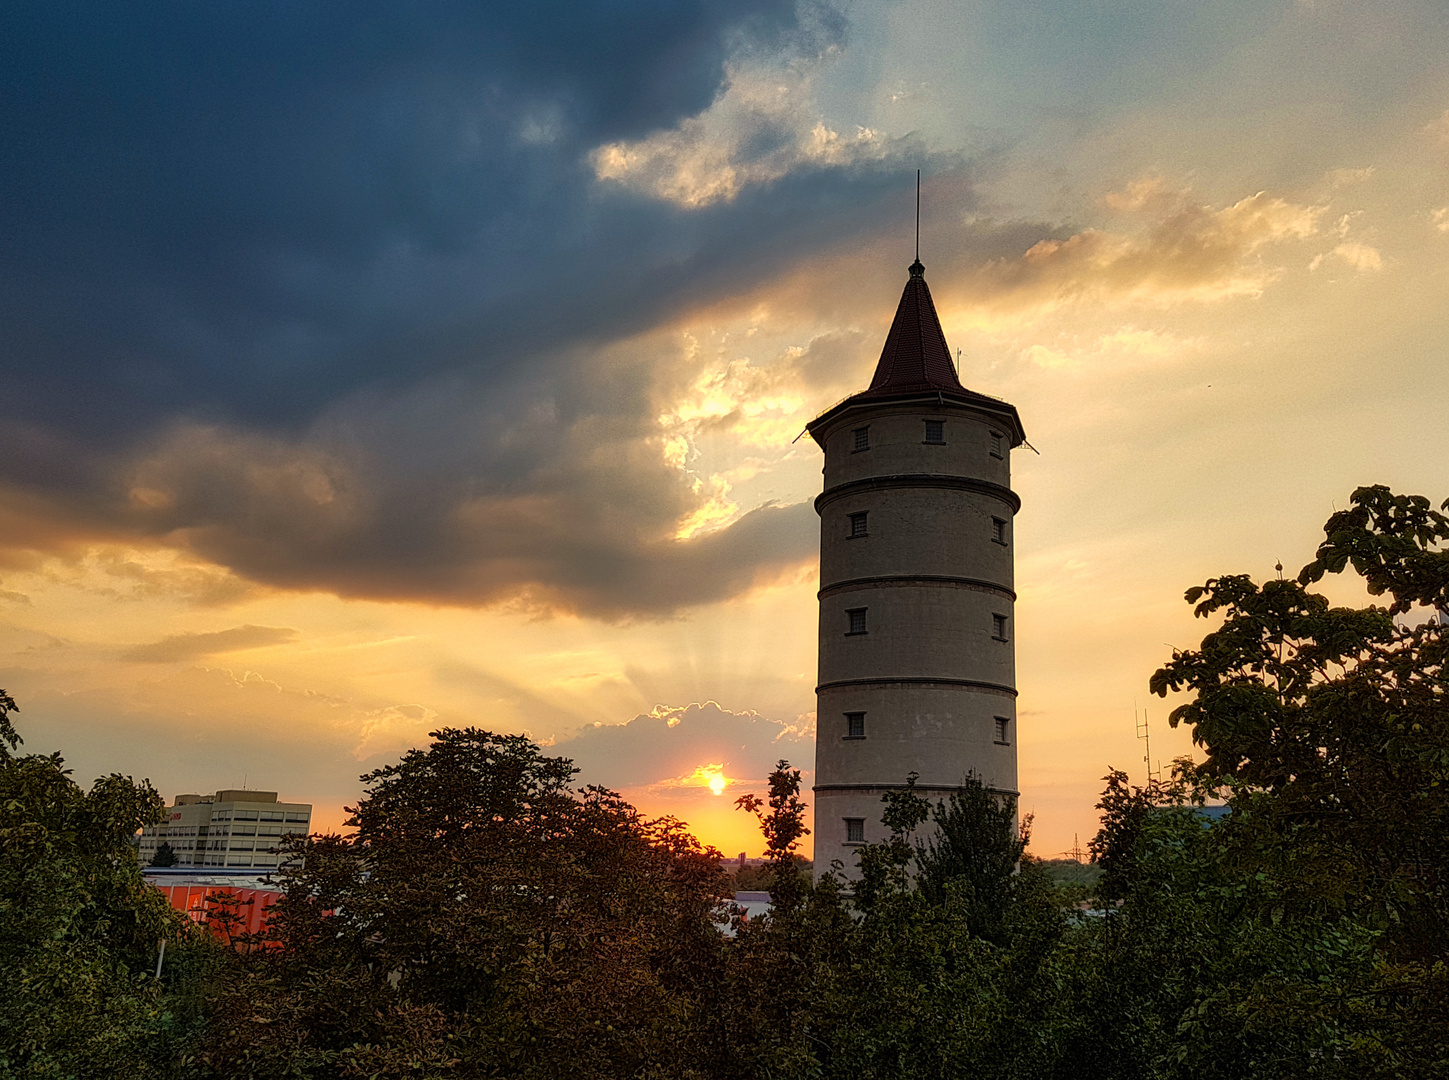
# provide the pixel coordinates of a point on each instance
(235, 827)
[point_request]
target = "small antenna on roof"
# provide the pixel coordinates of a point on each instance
(918, 215)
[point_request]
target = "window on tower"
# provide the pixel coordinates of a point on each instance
(862, 438)
(1003, 729)
(936, 431)
(996, 450)
(998, 530)
(856, 618)
(855, 830)
(855, 725)
(998, 627)
(857, 524)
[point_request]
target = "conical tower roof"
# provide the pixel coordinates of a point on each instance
(915, 357)
(916, 363)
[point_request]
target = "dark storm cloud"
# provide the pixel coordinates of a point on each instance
(554, 495)
(242, 209)
(319, 291)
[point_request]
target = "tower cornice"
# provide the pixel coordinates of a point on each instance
(918, 581)
(999, 410)
(918, 480)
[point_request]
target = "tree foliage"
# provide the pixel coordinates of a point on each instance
(1329, 726)
(976, 847)
(483, 917)
(79, 926)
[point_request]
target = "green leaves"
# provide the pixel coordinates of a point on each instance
(10, 739)
(484, 918)
(1390, 542)
(783, 825)
(78, 926)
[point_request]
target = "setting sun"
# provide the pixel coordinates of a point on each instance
(717, 784)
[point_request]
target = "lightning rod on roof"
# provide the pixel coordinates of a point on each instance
(918, 215)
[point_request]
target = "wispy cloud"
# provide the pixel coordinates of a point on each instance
(1183, 251)
(683, 747)
(190, 646)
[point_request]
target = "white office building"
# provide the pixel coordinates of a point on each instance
(233, 828)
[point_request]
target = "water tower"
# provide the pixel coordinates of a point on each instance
(917, 665)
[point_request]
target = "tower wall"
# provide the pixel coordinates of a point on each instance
(929, 572)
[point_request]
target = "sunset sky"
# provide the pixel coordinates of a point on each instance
(373, 367)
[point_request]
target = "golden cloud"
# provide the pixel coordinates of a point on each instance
(180, 647)
(762, 126)
(1185, 252)
(1359, 256)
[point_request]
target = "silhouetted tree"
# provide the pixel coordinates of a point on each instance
(483, 918)
(975, 849)
(783, 825)
(79, 925)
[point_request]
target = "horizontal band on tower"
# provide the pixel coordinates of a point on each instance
(920, 680)
(902, 581)
(926, 480)
(883, 788)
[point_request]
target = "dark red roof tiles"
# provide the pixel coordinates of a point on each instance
(916, 361)
(915, 356)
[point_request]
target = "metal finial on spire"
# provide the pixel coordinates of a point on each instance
(916, 269)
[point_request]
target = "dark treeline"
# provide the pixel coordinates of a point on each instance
(484, 918)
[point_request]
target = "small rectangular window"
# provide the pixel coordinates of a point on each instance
(857, 524)
(857, 620)
(1003, 728)
(935, 431)
(862, 438)
(855, 725)
(855, 830)
(998, 627)
(998, 530)
(996, 444)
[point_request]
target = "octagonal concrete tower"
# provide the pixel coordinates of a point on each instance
(917, 666)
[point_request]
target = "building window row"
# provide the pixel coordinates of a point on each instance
(855, 623)
(935, 435)
(1001, 728)
(858, 525)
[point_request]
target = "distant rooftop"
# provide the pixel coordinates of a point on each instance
(227, 795)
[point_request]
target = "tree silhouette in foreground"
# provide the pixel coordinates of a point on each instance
(484, 918)
(79, 925)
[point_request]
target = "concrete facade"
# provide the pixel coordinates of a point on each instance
(232, 828)
(916, 665)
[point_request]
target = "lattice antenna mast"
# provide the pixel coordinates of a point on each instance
(1144, 732)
